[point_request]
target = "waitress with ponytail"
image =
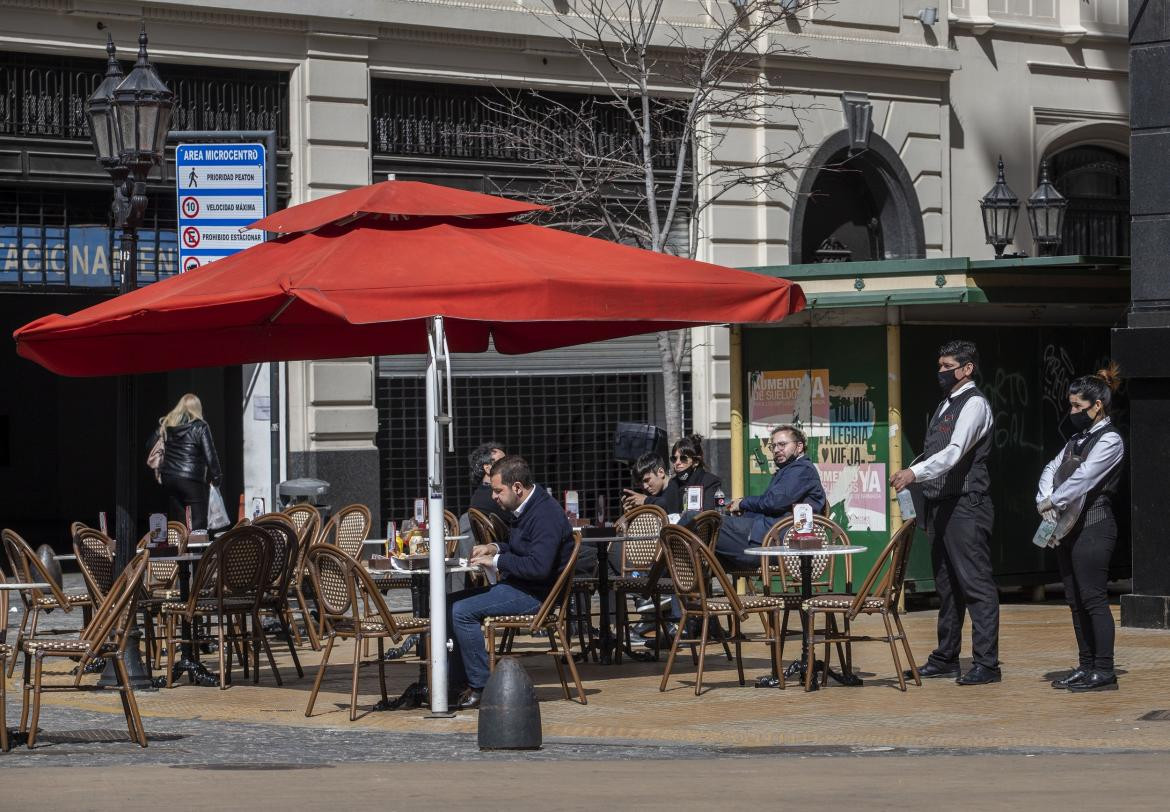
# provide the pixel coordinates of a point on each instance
(1076, 493)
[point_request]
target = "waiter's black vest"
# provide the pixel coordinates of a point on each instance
(970, 473)
(1099, 499)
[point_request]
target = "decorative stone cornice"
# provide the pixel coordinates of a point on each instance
(453, 36)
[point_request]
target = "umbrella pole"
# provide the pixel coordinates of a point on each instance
(435, 523)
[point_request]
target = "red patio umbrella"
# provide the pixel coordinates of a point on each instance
(400, 268)
(362, 272)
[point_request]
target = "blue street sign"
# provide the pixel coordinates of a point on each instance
(220, 190)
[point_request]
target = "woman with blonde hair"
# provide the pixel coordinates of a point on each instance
(1076, 496)
(189, 461)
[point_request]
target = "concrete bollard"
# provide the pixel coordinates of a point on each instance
(509, 716)
(52, 565)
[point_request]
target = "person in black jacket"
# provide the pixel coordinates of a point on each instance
(690, 471)
(671, 494)
(189, 461)
(481, 494)
(536, 552)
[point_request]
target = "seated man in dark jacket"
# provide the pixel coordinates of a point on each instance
(536, 552)
(796, 480)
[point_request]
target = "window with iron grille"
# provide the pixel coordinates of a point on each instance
(1096, 182)
(55, 226)
(45, 96)
(563, 425)
(467, 123)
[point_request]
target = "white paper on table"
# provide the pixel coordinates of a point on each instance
(395, 565)
(489, 571)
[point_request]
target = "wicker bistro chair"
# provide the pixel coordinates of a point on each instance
(307, 520)
(344, 589)
(27, 568)
(299, 587)
(105, 636)
(787, 569)
(691, 563)
(499, 527)
(642, 526)
(348, 528)
(234, 573)
(551, 618)
(274, 602)
(706, 526)
(879, 594)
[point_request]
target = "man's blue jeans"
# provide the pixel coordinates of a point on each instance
(468, 663)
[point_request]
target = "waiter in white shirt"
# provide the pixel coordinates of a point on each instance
(1076, 494)
(955, 485)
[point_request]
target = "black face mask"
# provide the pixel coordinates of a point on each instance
(946, 379)
(1080, 420)
(683, 476)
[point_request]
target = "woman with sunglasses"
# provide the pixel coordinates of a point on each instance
(686, 460)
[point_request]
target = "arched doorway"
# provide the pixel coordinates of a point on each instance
(856, 205)
(1096, 182)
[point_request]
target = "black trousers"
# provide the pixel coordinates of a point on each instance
(960, 546)
(1083, 557)
(186, 493)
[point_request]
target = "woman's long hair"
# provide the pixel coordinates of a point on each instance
(187, 409)
(692, 445)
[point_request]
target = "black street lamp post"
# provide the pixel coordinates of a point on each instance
(1001, 209)
(1046, 213)
(129, 119)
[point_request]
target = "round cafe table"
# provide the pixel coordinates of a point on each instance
(806, 562)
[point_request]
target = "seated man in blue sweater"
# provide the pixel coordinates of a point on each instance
(796, 480)
(537, 550)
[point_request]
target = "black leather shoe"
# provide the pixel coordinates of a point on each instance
(1072, 679)
(1095, 681)
(931, 669)
(980, 675)
(469, 700)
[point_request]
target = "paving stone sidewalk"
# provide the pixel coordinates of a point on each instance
(627, 717)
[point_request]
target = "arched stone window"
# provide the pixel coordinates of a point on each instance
(1096, 182)
(855, 205)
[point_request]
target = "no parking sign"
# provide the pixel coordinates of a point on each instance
(221, 189)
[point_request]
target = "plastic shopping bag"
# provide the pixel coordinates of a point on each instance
(217, 515)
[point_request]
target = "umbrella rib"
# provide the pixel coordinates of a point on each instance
(280, 310)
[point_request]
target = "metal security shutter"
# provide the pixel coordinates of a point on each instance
(637, 354)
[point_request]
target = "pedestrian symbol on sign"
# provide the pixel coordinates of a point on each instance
(190, 207)
(193, 179)
(191, 237)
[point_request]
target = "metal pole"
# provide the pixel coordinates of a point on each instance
(126, 403)
(435, 522)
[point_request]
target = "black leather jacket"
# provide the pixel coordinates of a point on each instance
(190, 453)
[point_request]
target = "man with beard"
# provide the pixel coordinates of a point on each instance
(796, 481)
(528, 562)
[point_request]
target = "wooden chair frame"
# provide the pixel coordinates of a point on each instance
(691, 563)
(5, 653)
(27, 568)
(639, 556)
(879, 594)
(105, 636)
(285, 556)
(551, 618)
(228, 586)
(348, 528)
(344, 589)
